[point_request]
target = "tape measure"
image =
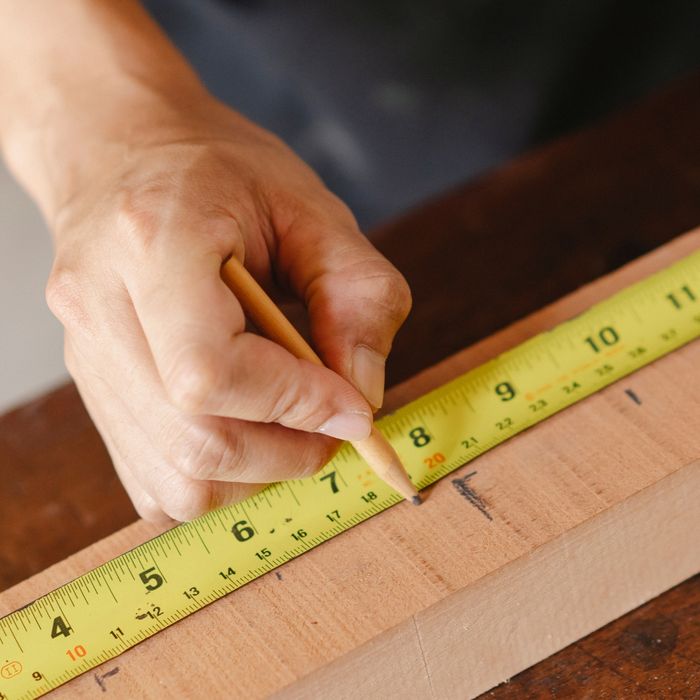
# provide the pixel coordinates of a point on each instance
(119, 604)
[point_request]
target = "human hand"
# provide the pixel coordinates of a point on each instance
(195, 411)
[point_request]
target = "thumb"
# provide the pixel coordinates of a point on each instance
(356, 298)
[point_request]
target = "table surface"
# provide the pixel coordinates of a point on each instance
(477, 259)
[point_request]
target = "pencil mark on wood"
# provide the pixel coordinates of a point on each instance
(633, 396)
(463, 489)
(100, 680)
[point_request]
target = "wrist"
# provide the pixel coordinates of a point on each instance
(78, 134)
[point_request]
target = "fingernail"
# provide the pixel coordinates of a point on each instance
(368, 374)
(347, 426)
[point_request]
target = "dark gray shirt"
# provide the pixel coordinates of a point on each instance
(394, 100)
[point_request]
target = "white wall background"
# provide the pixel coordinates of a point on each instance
(31, 340)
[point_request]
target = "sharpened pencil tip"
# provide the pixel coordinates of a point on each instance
(416, 500)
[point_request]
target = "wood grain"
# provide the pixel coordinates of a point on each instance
(588, 518)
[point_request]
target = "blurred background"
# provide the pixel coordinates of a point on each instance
(391, 101)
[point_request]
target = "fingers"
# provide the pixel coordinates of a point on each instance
(356, 299)
(206, 448)
(209, 447)
(209, 366)
(146, 506)
(195, 411)
(159, 492)
(262, 382)
(186, 464)
(189, 317)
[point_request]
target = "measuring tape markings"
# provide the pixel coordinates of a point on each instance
(128, 599)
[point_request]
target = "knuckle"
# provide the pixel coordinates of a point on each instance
(138, 218)
(292, 405)
(148, 510)
(404, 297)
(189, 384)
(317, 451)
(280, 403)
(394, 294)
(187, 500)
(64, 295)
(309, 416)
(203, 453)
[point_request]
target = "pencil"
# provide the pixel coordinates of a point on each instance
(263, 312)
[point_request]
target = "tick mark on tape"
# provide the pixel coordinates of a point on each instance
(100, 680)
(463, 489)
(633, 396)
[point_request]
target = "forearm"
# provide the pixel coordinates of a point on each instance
(75, 72)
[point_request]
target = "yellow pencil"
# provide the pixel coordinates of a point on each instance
(263, 312)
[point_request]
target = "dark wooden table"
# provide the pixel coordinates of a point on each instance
(478, 258)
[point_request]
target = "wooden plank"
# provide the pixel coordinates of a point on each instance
(531, 607)
(588, 515)
(652, 652)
